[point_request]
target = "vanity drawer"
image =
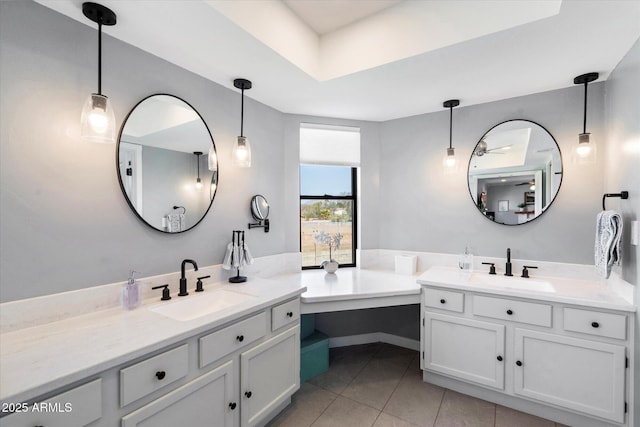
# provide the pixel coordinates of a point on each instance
(516, 311)
(445, 300)
(77, 407)
(152, 374)
(285, 314)
(596, 323)
(229, 339)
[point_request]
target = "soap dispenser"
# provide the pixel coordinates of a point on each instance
(131, 292)
(466, 261)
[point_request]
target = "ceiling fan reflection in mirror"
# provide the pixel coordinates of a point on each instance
(482, 148)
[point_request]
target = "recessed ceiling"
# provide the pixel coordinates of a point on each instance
(402, 60)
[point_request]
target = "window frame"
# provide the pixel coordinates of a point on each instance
(354, 220)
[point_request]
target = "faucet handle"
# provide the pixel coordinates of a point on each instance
(525, 270)
(199, 287)
(492, 269)
(165, 292)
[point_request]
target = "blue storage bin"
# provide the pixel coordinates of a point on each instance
(314, 355)
(307, 325)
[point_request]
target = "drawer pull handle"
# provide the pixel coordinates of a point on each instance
(232, 405)
(289, 313)
(519, 363)
(499, 358)
(240, 338)
(442, 301)
(161, 374)
(509, 312)
(595, 324)
(248, 394)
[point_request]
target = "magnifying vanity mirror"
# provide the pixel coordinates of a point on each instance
(167, 163)
(515, 172)
(260, 212)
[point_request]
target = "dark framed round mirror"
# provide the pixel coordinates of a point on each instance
(167, 163)
(515, 172)
(259, 208)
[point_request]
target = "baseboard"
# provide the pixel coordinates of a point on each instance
(373, 338)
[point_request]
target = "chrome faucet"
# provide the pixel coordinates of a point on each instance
(508, 266)
(183, 280)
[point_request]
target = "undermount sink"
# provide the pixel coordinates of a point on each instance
(511, 282)
(200, 304)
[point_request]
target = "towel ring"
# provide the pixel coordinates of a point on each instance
(184, 210)
(623, 195)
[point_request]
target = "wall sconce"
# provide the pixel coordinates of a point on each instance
(198, 180)
(586, 151)
(450, 163)
(98, 123)
(242, 149)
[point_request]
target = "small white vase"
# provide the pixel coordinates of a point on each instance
(330, 266)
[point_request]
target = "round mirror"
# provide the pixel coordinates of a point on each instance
(259, 208)
(515, 172)
(167, 163)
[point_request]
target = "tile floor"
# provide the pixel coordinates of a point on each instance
(381, 385)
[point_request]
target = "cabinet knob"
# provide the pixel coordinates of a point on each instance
(499, 358)
(519, 363)
(442, 301)
(248, 394)
(232, 405)
(240, 338)
(161, 374)
(289, 314)
(595, 324)
(509, 312)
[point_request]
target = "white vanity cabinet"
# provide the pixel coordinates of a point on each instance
(552, 359)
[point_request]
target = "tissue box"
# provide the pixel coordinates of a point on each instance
(406, 264)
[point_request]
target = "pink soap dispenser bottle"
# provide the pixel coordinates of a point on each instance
(131, 292)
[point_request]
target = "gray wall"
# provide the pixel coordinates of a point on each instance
(64, 223)
(622, 152)
(425, 210)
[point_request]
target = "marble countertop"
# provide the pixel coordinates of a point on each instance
(351, 283)
(40, 359)
(613, 294)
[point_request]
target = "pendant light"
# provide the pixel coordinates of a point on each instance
(198, 180)
(98, 123)
(242, 149)
(586, 150)
(450, 163)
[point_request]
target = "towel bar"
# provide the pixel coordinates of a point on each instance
(623, 195)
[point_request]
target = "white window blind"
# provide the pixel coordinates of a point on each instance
(329, 145)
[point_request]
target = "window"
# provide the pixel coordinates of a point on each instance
(329, 156)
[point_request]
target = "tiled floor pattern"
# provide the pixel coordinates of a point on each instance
(381, 385)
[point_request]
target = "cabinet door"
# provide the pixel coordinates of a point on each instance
(270, 374)
(205, 401)
(465, 349)
(581, 375)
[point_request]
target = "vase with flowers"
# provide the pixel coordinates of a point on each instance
(333, 241)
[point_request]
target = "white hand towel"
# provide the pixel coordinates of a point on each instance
(248, 259)
(607, 245)
(235, 257)
(176, 222)
(226, 263)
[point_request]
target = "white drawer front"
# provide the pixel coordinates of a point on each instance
(596, 323)
(285, 314)
(152, 374)
(516, 311)
(445, 300)
(227, 340)
(77, 407)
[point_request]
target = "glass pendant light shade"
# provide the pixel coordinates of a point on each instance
(242, 152)
(98, 122)
(586, 150)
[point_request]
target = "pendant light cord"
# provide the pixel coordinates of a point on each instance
(450, 126)
(584, 125)
(242, 113)
(100, 54)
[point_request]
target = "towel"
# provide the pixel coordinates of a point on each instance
(607, 246)
(226, 263)
(176, 222)
(246, 255)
